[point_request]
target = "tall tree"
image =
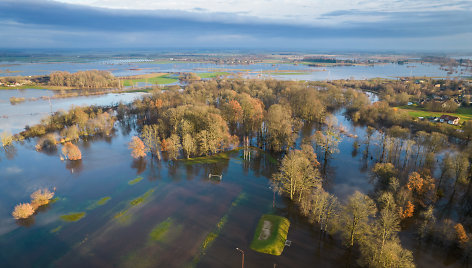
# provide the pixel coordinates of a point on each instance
(150, 138)
(355, 217)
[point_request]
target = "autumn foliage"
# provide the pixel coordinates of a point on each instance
(71, 151)
(407, 212)
(22, 211)
(38, 198)
(41, 197)
(137, 147)
(415, 182)
(461, 234)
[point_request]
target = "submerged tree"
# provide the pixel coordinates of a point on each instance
(23, 211)
(71, 151)
(150, 136)
(355, 217)
(328, 139)
(137, 147)
(298, 176)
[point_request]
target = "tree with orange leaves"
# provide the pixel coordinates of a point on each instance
(71, 151)
(415, 182)
(137, 147)
(461, 234)
(232, 112)
(408, 211)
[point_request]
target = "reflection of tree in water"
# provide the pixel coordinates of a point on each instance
(219, 168)
(328, 177)
(355, 147)
(139, 164)
(74, 166)
(51, 150)
(126, 126)
(10, 152)
(154, 170)
(260, 163)
(28, 222)
(190, 170)
(173, 167)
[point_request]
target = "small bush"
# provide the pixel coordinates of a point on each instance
(71, 151)
(22, 211)
(41, 197)
(47, 141)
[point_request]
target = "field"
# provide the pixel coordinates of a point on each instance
(154, 79)
(212, 75)
(464, 113)
(270, 235)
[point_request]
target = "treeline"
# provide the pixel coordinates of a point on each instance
(67, 126)
(84, 79)
(210, 116)
(438, 95)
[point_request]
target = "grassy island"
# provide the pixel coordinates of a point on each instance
(270, 235)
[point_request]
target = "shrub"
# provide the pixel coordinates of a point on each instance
(71, 151)
(6, 138)
(137, 145)
(41, 197)
(22, 211)
(47, 141)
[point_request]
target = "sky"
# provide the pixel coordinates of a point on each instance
(380, 25)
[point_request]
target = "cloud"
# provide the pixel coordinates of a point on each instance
(54, 24)
(13, 170)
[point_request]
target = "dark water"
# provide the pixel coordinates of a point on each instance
(181, 192)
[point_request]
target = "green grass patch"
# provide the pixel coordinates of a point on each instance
(274, 241)
(159, 231)
(159, 79)
(57, 229)
(134, 181)
(165, 231)
(133, 203)
(208, 159)
(212, 74)
(141, 199)
(210, 238)
(464, 113)
(73, 216)
(100, 202)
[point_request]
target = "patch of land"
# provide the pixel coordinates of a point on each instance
(212, 74)
(73, 216)
(153, 78)
(134, 181)
(100, 202)
(271, 234)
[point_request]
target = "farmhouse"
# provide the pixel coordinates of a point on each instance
(452, 120)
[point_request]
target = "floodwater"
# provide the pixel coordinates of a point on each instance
(14, 117)
(182, 194)
(164, 219)
(389, 70)
(176, 199)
